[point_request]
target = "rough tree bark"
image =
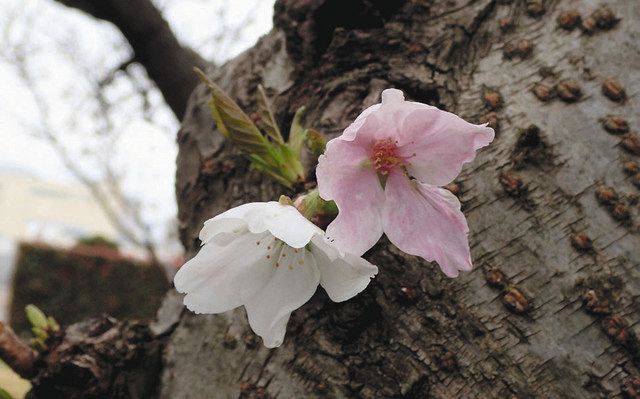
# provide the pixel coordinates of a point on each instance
(550, 310)
(562, 323)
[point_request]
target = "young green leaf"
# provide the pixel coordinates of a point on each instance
(274, 157)
(39, 333)
(4, 394)
(261, 165)
(52, 324)
(291, 165)
(297, 133)
(232, 122)
(267, 117)
(36, 316)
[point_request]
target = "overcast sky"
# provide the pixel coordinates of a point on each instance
(58, 40)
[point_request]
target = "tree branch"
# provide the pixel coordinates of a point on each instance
(126, 219)
(168, 63)
(18, 355)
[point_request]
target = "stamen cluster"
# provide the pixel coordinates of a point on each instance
(384, 156)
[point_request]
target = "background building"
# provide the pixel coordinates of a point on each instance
(35, 210)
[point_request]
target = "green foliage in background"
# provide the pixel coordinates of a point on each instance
(41, 326)
(70, 285)
(98, 241)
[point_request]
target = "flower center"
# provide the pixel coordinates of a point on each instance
(280, 254)
(384, 156)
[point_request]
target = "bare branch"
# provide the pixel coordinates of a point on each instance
(125, 218)
(105, 81)
(166, 61)
(18, 355)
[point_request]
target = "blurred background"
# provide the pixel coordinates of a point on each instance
(87, 158)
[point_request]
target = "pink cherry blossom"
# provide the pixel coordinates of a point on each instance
(384, 174)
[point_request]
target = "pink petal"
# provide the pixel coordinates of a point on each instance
(426, 221)
(437, 143)
(381, 121)
(351, 131)
(344, 176)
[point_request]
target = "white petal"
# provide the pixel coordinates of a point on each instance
(295, 280)
(274, 337)
(227, 228)
(287, 224)
(241, 212)
(220, 278)
(343, 276)
(283, 221)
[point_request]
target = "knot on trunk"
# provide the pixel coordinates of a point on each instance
(98, 358)
(309, 24)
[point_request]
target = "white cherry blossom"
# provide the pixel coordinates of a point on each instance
(269, 258)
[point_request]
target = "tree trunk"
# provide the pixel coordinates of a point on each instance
(542, 314)
(551, 309)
